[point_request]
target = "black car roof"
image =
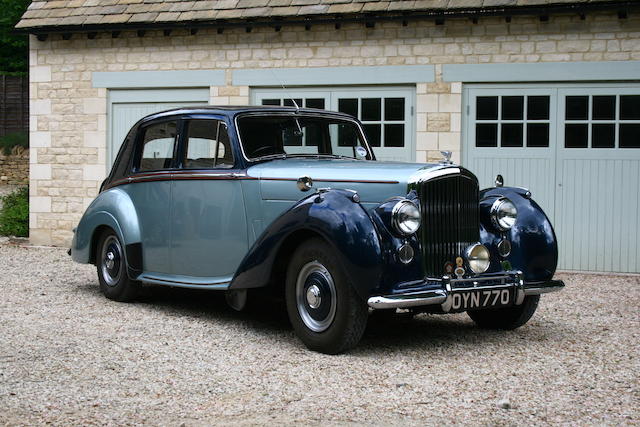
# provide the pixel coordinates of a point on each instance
(233, 110)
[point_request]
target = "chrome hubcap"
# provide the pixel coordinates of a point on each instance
(112, 264)
(313, 296)
(109, 260)
(316, 296)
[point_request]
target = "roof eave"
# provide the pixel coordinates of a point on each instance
(319, 19)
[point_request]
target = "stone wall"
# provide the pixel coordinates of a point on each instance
(14, 169)
(69, 117)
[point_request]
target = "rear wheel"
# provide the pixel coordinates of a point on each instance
(323, 308)
(112, 269)
(506, 318)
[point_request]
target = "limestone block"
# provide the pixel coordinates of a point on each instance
(40, 139)
(39, 204)
(94, 172)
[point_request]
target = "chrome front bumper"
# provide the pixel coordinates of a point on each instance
(443, 297)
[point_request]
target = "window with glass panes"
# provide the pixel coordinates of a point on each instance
(512, 121)
(602, 121)
(383, 119)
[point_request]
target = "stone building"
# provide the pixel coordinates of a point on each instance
(545, 92)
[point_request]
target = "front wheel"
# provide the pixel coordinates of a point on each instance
(323, 308)
(112, 269)
(506, 318)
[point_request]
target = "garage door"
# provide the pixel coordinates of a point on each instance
(385, 112)
(126, 107)
(578, 149)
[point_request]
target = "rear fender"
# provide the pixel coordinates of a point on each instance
(336, 217)
(111, 209)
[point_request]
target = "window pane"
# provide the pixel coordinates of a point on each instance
(487, 108)
(604, 108)
(315, 103)
(630, 107)
(486, 135)
(347, 136)
(629, 136)
(512, 107)
(603, 136)
(225, 152)
(538, 108)
(577, 107)
(289, 102)
(394, 108)
(270, 102)
(394, 135)
(372, 133)
(159, 142)
(371, 109)
(201, 144)
(537, 134)
(511, 135)
(575, 136)
(348, 106)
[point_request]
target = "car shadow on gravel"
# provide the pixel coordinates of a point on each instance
(267, 315)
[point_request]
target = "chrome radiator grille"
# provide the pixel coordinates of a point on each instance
(450, 219)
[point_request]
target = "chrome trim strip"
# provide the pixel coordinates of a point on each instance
(218, 286)
(431, 172)
(537, 290)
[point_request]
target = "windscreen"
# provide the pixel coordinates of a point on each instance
(274, 135)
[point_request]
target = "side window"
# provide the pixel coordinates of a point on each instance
(207, 145)
(157, 146)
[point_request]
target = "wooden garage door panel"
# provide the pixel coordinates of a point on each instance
(598, 228)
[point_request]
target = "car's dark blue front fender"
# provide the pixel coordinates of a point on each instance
(534, 248)
(336, 217)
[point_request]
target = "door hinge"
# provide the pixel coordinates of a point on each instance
(468, 109)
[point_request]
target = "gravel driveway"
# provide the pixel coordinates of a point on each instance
(69, 356)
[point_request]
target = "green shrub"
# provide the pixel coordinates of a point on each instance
(16, 139)
(14, 214)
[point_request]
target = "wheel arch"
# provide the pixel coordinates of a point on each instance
(332, 216)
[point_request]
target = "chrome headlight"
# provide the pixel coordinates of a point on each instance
(503, 214)
(405, 217)
(478, 258)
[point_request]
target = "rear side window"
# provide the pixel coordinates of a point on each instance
(208, 145)
(158, 144)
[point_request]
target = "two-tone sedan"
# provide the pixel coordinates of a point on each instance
(237, 198)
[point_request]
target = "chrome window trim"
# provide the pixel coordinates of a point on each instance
(297, 113)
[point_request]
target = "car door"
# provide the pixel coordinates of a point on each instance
(151, 192)
(209, 232)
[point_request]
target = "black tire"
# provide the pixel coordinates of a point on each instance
(112, 269)
(506, 318)
(326, 321)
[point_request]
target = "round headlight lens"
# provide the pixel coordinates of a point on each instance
(405, 217)
(504, 214)
(478, 258)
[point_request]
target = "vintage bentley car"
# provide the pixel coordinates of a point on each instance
(238, 198)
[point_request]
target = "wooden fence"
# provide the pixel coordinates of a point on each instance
(14, 104)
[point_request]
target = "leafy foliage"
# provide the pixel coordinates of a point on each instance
(17, 139)
(14, 48)
(14, 215)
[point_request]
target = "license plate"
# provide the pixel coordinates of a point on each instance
(487, 298)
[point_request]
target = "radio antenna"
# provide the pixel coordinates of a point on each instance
(286, 91)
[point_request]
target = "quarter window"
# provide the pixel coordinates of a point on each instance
(207, 145)
(512, 121)
(158, 145)
(602, 121)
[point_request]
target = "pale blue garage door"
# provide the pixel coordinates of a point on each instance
(126, 107)
(577, 147)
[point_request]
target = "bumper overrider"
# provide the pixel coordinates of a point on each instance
(450, 287)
